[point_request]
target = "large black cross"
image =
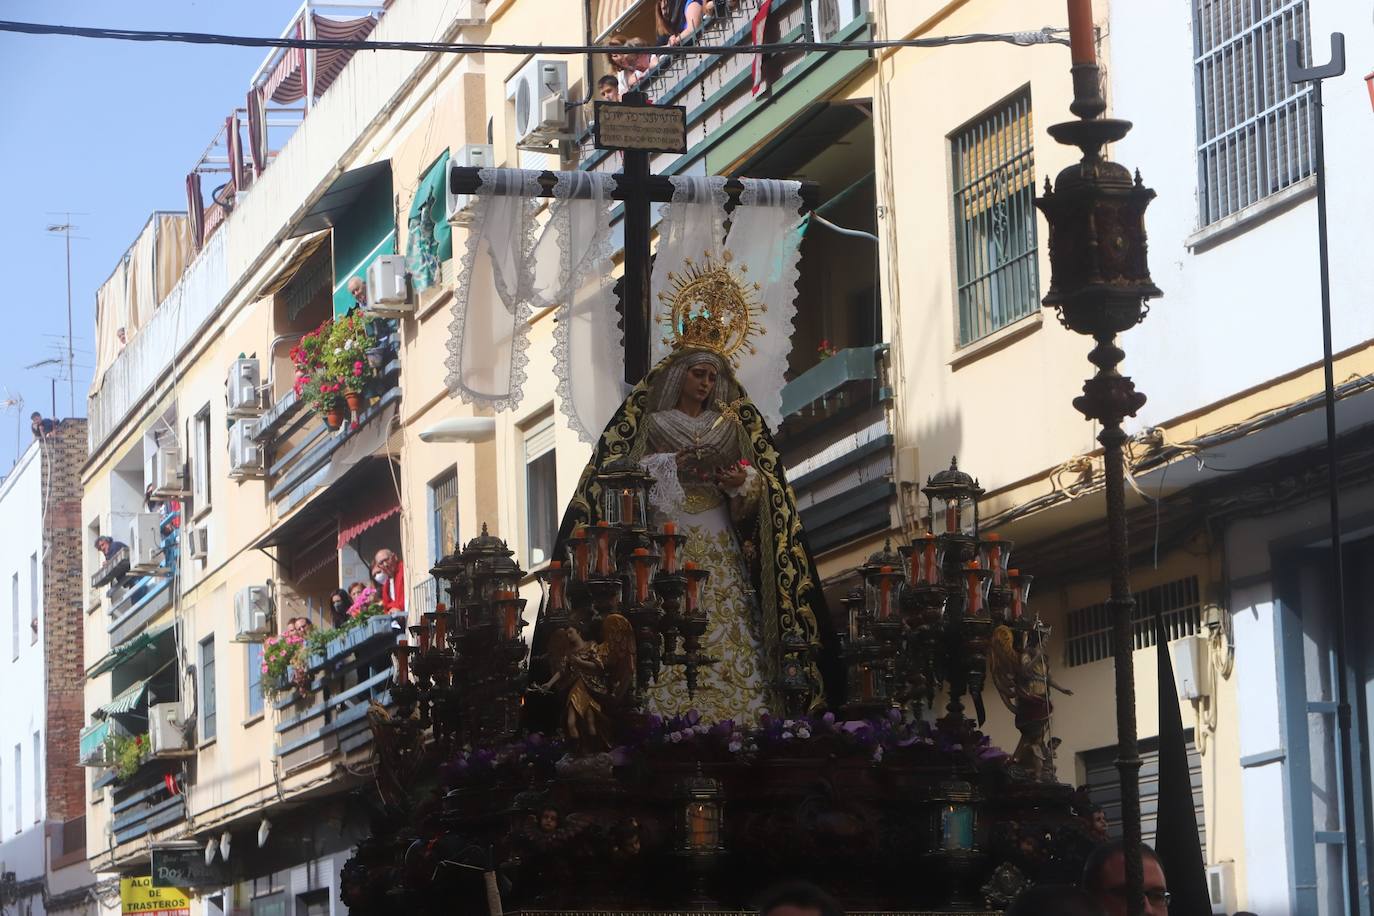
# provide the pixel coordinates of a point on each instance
(638, 188)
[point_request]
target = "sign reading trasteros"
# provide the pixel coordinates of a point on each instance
(139, 896)
(653, 128)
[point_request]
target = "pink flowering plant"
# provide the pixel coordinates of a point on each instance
(285, 659)
(332, 360)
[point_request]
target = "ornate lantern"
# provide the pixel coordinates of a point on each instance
(954, 829)
(580, 554)
(700, 832)
(953, 505)
(625, 494)
(1020, 593)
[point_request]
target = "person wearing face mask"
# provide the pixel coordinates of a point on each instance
(339, 603)
(389, 573)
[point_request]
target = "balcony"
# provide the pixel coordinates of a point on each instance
(145, 805)
(137, 601)
(303, 454)
(112, 569)
(718, 91)
(330, 722)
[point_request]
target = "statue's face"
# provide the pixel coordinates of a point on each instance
(699, 384)
(548, 820)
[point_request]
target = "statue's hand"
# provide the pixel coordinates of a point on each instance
(730, 478)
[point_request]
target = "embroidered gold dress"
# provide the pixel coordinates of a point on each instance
(736, 686)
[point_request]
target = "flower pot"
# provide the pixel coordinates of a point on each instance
(334, 418)
(355, 401)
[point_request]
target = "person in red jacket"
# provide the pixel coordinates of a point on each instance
(390, 575)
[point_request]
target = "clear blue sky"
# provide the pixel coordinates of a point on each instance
(110, 129)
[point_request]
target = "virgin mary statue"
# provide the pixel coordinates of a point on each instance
(719, 477)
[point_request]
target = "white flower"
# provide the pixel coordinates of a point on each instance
(338, 350)
(878, 754)
(735, 746)
(787, 736)
(675, 737)
(803, 732)
(701, 729)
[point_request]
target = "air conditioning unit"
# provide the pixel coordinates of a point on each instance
(1221, 887)
(388, 287)
(166, 731)
(252, 614)
(539, 92)
(471, 12)
(169, 473)
(243, 386)
(145, 543)
(245, 455)
(458, 207)
(198, 542)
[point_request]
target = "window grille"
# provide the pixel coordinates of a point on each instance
(994, 219)
(444, 520)
(1254, 128)
(1090, 628)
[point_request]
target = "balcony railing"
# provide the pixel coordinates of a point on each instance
(331, 720)
(718, 91)
(300, 447)
(145, 805)
(138, 601)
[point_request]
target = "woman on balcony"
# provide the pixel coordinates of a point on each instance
(675, 20)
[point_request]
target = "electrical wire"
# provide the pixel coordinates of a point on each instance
(1047, 35)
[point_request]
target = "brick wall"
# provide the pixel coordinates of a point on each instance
(64, 453)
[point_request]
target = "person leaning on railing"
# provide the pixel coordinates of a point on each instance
(676, 20)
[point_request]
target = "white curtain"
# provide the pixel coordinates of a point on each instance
(491, 309)
(765, 234)
(573, 272)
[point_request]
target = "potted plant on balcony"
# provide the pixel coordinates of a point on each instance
(346, 358)
(128, 753)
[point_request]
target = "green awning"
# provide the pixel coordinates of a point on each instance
(129, 650)
(126, 702)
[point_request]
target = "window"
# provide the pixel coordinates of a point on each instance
(1090, 628)
(18, 790)
(254, 679)
(200, 465)
(37, 779)
(33, 599)
(443, 501)
(994, 219)
(207, 689)
(1254, 128)
(541, 492)
(14, 615)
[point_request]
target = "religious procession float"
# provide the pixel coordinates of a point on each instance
(687, 721)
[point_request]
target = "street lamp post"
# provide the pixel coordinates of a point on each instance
(1099, 281)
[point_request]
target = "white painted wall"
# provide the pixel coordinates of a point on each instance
(21, 662)
(1247, 309)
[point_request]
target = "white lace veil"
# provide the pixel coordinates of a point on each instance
(491, 307)
(573, 271)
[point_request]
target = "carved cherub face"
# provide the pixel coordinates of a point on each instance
(548, 820)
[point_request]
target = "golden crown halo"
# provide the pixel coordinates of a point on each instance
(712, 305)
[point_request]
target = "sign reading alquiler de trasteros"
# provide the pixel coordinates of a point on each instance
(138, 897)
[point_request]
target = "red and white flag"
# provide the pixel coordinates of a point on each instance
(756, 33)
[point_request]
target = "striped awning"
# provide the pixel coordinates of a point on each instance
(609, 14)
(304, 252)
(129, 650)
(329, 63)
(286, 82)
(126, 702)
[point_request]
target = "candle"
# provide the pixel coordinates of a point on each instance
(951, 519)
(511, 619)
(928, 560)
(975, 592)
(885, 593)
(556, 577)
(423, 633)
(1082, 48)
(627, 507)
(692, 584)
(670, 527)
(995, 559)
(440, 625)
(1017, 608)
(701, 825)
(603, 548)
(670, 547)
(641, 574)
(580, 551)
(402, 662)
